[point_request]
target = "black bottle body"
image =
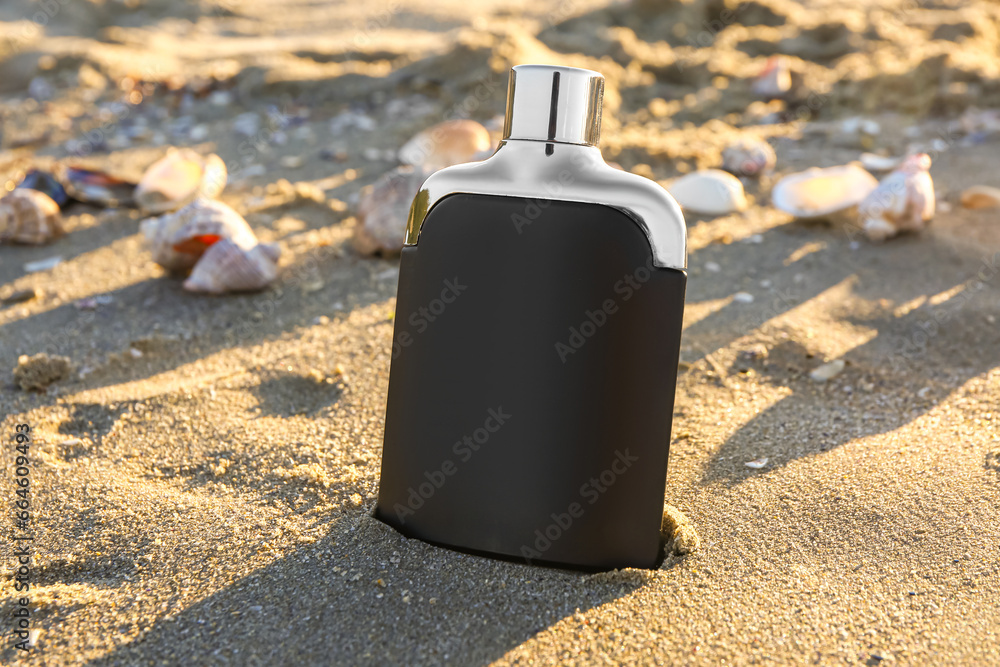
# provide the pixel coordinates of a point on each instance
(532, 383)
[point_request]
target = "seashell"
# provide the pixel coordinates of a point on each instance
(178, 178)
(29, 216)
(226, 267)
(749, 157)
(383, 209)
(95, 187)
(45, 182)
(874, 162)
(775, 79)
(447, 143)
(828, 371)
(903, 201)
(823, 192)
(981, 196)
(709, 191)
(178, 239)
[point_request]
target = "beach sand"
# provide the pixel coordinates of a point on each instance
(202, 484)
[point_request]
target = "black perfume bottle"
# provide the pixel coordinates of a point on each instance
(537, 331)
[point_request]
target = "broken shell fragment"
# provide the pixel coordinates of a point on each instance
(43, 181)
(709, 191)
(775, 79)
(95, 187)
(981, 196)
(749, 157)
(828, 371)
(875, 162)
(383, 210)
(823, 192)
(29, 216)
(178, 239)
(178, 178)
(445, 144)
(903, 201)
(226, 267)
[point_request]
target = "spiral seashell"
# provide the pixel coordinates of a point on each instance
(29, 216)
(178, 239)
(226, 267)
(903, 201)
(749, 157)
(178, 178)
(445, 144)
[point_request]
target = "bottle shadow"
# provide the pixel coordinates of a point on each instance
(363, 594)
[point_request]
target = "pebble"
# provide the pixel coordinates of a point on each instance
(20, 296)
(247, 124)
(292, 161)
(743, 297)
(43, 264)
(828, 371)
(712, 267)
(981, 196)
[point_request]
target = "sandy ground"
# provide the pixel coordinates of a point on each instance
(207, 502)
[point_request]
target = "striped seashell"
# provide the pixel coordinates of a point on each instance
(29, 216)
(902, 202)
(226, 267)
(178, 178)
(178, 239)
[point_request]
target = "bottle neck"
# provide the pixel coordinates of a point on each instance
(560, 105)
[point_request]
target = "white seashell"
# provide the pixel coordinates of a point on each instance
(226, 267)
(447, 143)
(709, 191)
(903, 201)
(178, 239)
(178, 178)
(29, 216)
(383, 210)
(757, 464)
(828, 371)
(775, 79)
(749, 157)
(981, 196)
(873, 162)
(823, 192)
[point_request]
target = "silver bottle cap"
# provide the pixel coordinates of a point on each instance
(556, 104)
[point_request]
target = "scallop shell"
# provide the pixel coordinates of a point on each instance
(709, 191)
(445, 144)
(178, 239)
(981, 196)
(178, 178)
(749, 157)
(823, 192)
(29, 216)
(903, 201)
(383, 210)
(226, 267)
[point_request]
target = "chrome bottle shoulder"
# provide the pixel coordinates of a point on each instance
(553, 170)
